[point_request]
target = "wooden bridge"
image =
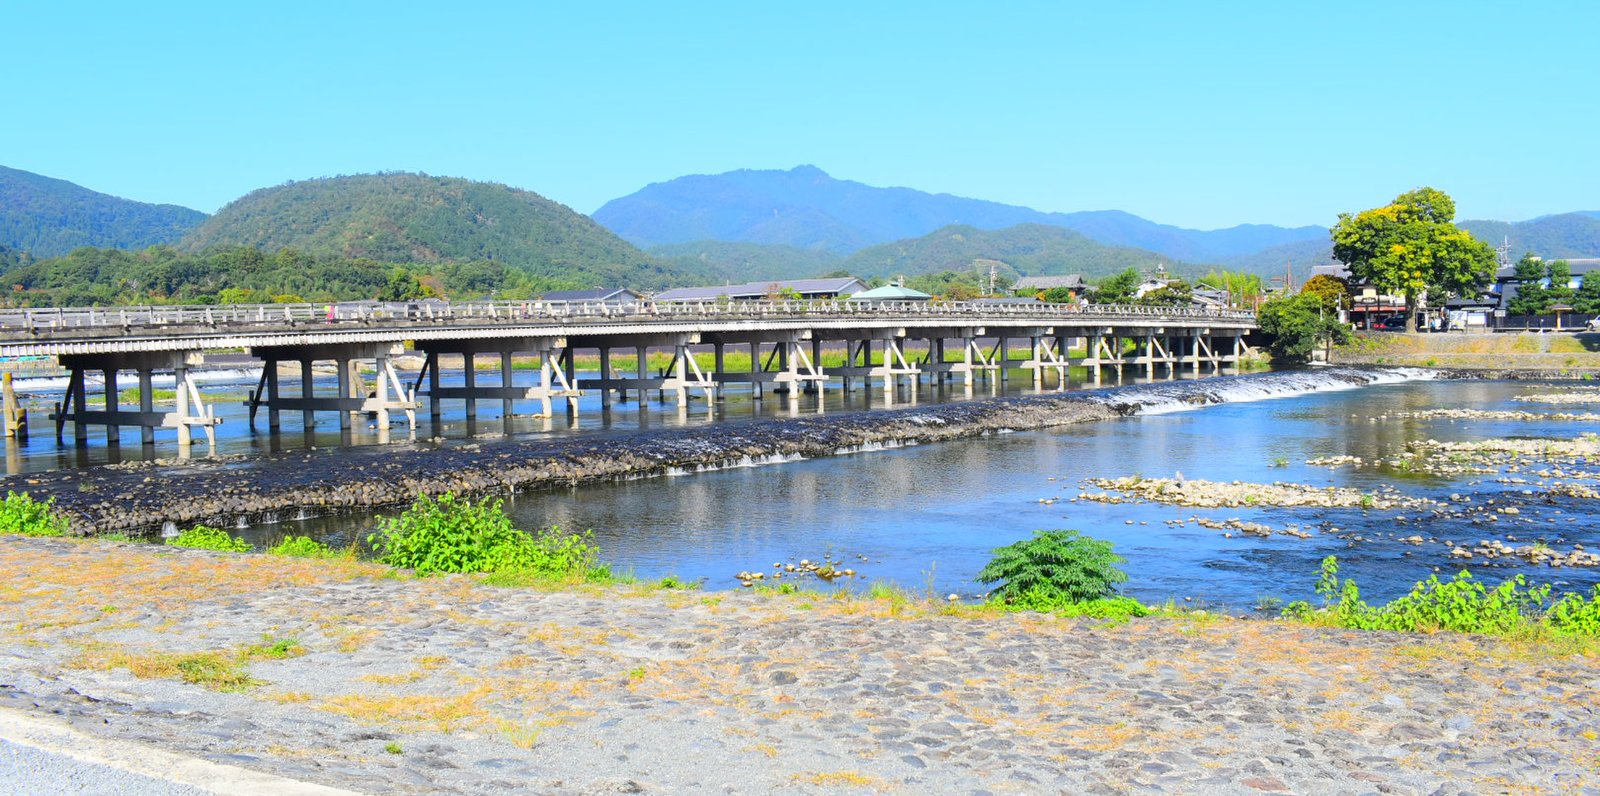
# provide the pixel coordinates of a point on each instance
(886, 341)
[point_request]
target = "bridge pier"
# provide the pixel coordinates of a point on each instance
(555, 382)
(859, 358)
(308, 403)
(75, 407)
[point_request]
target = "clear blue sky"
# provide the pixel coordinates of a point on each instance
(1198, 114)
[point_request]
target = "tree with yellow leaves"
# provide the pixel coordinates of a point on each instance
(1411, 247)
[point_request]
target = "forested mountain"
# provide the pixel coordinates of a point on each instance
(242, 274)
(1550, 237)
(47, 217)
(1022, 250)
(711, 261)
(416, 218)
(806, 208)
(11, 258)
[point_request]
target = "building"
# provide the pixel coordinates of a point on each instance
(891, 293)
(605, 295)
(1034, 285)
(832, 288)
(1367, 303)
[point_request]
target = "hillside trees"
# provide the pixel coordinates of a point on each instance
(1410, 247)
(246, 275)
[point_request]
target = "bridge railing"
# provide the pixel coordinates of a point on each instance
(477, 312)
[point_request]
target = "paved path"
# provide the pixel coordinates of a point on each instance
(41, 756)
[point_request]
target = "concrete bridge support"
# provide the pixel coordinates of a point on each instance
(555, 382)
(190, 411)
(388, 393)
(791, 365)
(683, 374)
(890, 367)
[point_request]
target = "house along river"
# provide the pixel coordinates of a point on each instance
(927, 516)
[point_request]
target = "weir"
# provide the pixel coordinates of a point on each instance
(887, 346)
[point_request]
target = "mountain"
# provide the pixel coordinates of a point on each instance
(806, 208)
(47, 217)
(417, 218)
(724, 261)
(1022, 250)
(1550, 237)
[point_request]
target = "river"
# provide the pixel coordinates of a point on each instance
(927, 517)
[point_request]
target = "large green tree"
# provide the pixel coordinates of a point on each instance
(1411, 247)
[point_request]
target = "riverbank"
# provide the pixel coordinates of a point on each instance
(140, 497)
(445, 685)
(1570, 354)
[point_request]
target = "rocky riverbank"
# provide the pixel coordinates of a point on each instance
(359, 680)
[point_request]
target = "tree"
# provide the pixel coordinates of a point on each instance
(1243, 289)
(1176, 293)
(1587, 298)
(1411, 247)
(1560, 275)
(1333, 292)
(1532, 298)
(1117, 288)
(1296, 325)
(402, 286)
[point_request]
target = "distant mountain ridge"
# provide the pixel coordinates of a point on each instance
(1570, 235)
(1021, 250)
(47, 217)
(806, 208)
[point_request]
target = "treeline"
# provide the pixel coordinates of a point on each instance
(1544, 286)
(244, 274)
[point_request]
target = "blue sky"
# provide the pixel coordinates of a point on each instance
(1197, 114)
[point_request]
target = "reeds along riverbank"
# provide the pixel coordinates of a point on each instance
(143, 497)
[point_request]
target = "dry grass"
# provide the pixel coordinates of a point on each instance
(415, 711)
(841, 779)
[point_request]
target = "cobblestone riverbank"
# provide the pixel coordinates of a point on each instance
(343, 674)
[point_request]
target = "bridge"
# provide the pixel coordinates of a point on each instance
(891, 342)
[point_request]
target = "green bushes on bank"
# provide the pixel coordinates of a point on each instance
(21, 514)
(451, 534)
(1461, 605)
(205, 537)
(306, 547)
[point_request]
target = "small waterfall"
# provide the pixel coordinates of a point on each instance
(270, 518)
(1155, 399)
(169, 530)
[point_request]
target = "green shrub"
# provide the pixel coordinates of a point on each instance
(1114, 608)
(1052, 569)
(1462, 605)
(458, 535)
(303, 547)
(205, 537)
(21, 514)
(1576, 615)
